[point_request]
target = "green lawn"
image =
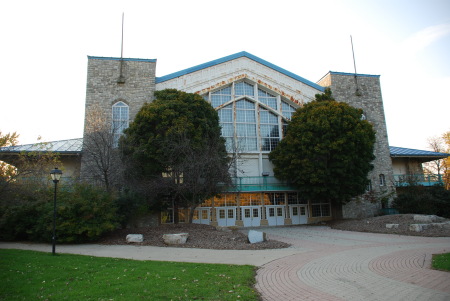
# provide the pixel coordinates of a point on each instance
(441, 262)
(30, 275)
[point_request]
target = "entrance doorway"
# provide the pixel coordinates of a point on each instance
(226, 216)
(251, 216)
(298, 214)
(275, 215)
(201, 216)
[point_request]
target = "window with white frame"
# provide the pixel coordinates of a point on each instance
(369, 186)
(382, 180)
(120, 120)
(267, 99)
(287, 110)
(246, 126)
(270, 135)
(251, 118)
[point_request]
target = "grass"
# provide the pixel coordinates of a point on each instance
(30, 275)
(441, 262)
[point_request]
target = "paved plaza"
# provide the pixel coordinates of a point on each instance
(341, 265)
(322, 264)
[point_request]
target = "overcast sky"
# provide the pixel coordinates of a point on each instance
(45, 44)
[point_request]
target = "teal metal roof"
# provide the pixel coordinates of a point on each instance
(233, 57)
(408, 152)
(118, 59)
(70, 146)
(353, 74)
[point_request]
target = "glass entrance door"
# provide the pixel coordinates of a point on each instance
(251, 216)
(226, 216)
(275, 215)
(298, 214)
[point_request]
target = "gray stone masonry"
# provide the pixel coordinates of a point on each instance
(369, 99)
(103, 88)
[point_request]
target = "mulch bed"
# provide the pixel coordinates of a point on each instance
(209, 237)
(200, 236)
(378, 225)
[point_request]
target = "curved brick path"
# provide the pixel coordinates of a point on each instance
(341, 265)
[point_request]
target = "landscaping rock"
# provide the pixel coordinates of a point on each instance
(256, 236)
(425, 218)
(392, 226)
(135, 238)
(418, 227)
(445, 225)
(175, 239)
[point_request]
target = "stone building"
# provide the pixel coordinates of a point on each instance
(254, 99)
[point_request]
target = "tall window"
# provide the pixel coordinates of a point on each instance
(246, 126)
(287, 110)
(269, 130)
(382, 180)
(120, 120)
(251, 118)
(267, 99)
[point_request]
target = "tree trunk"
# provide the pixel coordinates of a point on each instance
(191, 214)
(176, 216)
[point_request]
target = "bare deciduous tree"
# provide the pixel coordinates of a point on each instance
(101, 159)
(437, 144)
(28, 170)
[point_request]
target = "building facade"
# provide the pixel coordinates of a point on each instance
(254, 99)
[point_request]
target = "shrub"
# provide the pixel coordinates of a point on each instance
(130, 203)
(84, 213)
(424, 200)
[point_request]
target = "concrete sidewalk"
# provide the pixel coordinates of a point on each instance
(322, 264)
(240, 257)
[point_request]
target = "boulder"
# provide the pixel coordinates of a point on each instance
(418, 227)
(391, 226)
(175, 239)
(445, 225)
(256, 236)
(425, 218)
(135, 238)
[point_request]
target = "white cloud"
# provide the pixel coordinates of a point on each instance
(425, 37)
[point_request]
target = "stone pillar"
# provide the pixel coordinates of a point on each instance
(264, 221)
(287, 217)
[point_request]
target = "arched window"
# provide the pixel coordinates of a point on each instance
(120, 120)
(250, 116)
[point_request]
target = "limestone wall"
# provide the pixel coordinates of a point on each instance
(369, 99)
(103, 88)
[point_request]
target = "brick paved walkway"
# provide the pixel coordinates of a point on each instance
(340, 265)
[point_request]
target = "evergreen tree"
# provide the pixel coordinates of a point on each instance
(175, 149)
(327, 151)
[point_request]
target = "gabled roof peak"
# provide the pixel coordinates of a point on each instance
(233, 57)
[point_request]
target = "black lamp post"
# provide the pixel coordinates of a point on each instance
(56, 175)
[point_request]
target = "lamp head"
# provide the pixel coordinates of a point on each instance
(56, 174)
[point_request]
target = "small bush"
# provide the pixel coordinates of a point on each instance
(84, 213)
(130, 204)
(424, 200)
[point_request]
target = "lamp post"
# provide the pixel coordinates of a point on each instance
(56, 175)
